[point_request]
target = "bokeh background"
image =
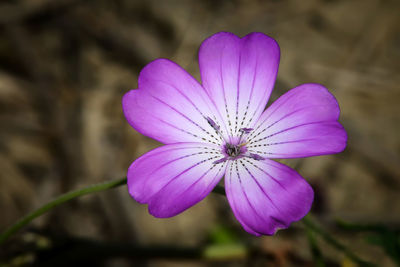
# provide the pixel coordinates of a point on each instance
(64, 67)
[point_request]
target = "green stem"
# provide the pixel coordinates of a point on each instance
(308, 222)
(315, 251)
(312, 226)
(58, 201)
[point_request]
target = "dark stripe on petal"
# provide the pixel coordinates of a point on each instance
(288, 129)
(188, 119)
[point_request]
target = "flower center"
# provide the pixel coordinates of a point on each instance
(237, 149)
(233, 150)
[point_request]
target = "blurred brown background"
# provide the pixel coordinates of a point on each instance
(64, 66)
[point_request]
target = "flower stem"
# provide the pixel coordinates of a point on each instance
(311, 225)
(58, 201)
(308, 222)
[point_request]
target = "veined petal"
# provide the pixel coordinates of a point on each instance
(266, 195)
(239, 75)
(174, 177)
(301, 123)
(170, 106)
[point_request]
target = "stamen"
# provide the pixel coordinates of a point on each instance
(216, 127)
(255, 156)
(213, 124)
(220, 160)
(246, 130)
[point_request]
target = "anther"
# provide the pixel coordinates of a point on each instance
(255, 156)
(220, 160)
(246, 130)
(212, 124)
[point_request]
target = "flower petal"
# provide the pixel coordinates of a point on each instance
(174, 177)
(239, 75)
(266, 195)
(301, 123)
(170, 106)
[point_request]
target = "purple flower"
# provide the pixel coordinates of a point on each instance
(220, 128)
